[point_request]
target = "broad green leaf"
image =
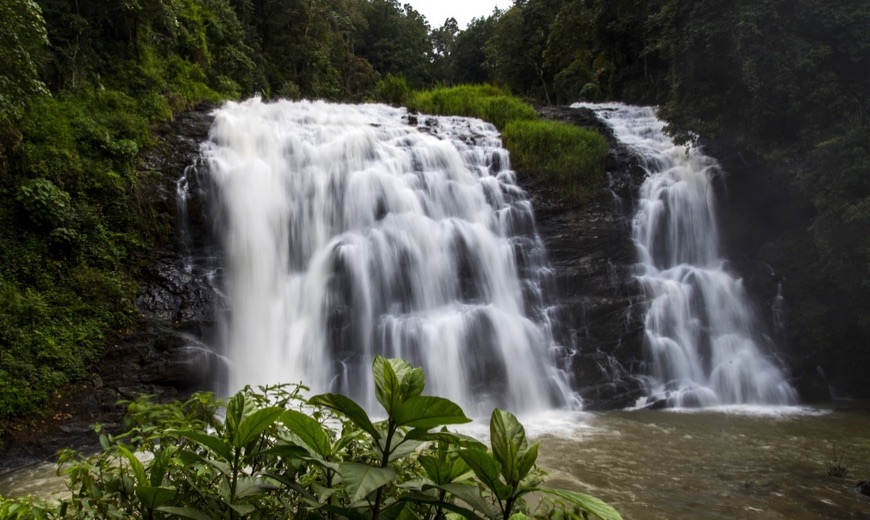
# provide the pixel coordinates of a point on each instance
(459, 468)
(469, 514)
(437, 471)
(190, 457)
(487, 469)
(154, 497)
(238, 408)
(346, 439)
(527, 460)
(309, 432)
(508, 437)
(387, 389)
(295, 486)
(585, 502)
(185, 512)
(429, 412)
(362, 479)
(135, 465)
(334, 466)
(403, 449)
(349, 409)
(519, 516)
(412, 381)
(285, 451)
(254, 424)
(456, 439)
(396, 381)
(470, 494)
(243, 509)
(218, 446)
(248, 486)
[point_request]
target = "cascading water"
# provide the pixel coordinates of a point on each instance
(701, 336)
(347, 233)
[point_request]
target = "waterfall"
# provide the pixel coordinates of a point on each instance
(701, 334)
(349, 231)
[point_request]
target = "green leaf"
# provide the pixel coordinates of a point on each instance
(135, 465)
(209, 442)
(154, 497)
(185, 512)
(429, 412)
(349, 409)
(362, 479)
(456, 439)
(387, 389)
(255, 424)
(508, 437)
(248, 486)
(285, 451)
(487, 469)
(422, 498)
(243, 509)
(470, 494)
(437, 471)
(309, 432)
(587, 503)
(237, 409)
(396, 381)
(527, 460)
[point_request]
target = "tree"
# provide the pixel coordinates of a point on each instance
(23, 35)
(442, 42)
(467, 59)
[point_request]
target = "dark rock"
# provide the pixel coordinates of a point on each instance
(863, 487)
(600, 304)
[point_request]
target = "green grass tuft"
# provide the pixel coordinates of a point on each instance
(485, 102)
(568, 155)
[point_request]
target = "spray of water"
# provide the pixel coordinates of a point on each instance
(348, 232)
(703, 345)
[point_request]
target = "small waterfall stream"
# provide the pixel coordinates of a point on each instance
(702, 339)
(348, 232)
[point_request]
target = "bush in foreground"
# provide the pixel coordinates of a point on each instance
(277, 455)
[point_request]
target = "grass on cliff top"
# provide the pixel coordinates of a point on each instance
(566, 155)
(485, 102)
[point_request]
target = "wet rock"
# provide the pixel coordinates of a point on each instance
(599, 303)
(863, 487)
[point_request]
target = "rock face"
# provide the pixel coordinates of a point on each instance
(600, 304)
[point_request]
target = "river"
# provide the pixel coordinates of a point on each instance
(747, 463)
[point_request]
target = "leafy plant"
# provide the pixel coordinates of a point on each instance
(275, 454)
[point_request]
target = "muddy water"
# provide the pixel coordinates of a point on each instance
(669, 465)
(718, 465)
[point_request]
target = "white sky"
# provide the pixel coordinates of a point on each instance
(436, 11)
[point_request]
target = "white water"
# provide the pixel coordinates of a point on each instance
(347, 233)
(703, 345)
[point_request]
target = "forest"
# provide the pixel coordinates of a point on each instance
(83, 83)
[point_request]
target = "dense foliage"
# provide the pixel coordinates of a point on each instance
(82, 84)
(273, 454)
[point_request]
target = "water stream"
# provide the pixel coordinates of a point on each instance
(703, 340)
(349, 231)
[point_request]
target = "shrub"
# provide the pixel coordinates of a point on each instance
(568, 155)
(393, 90)
(482, 101)
(277, 455)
